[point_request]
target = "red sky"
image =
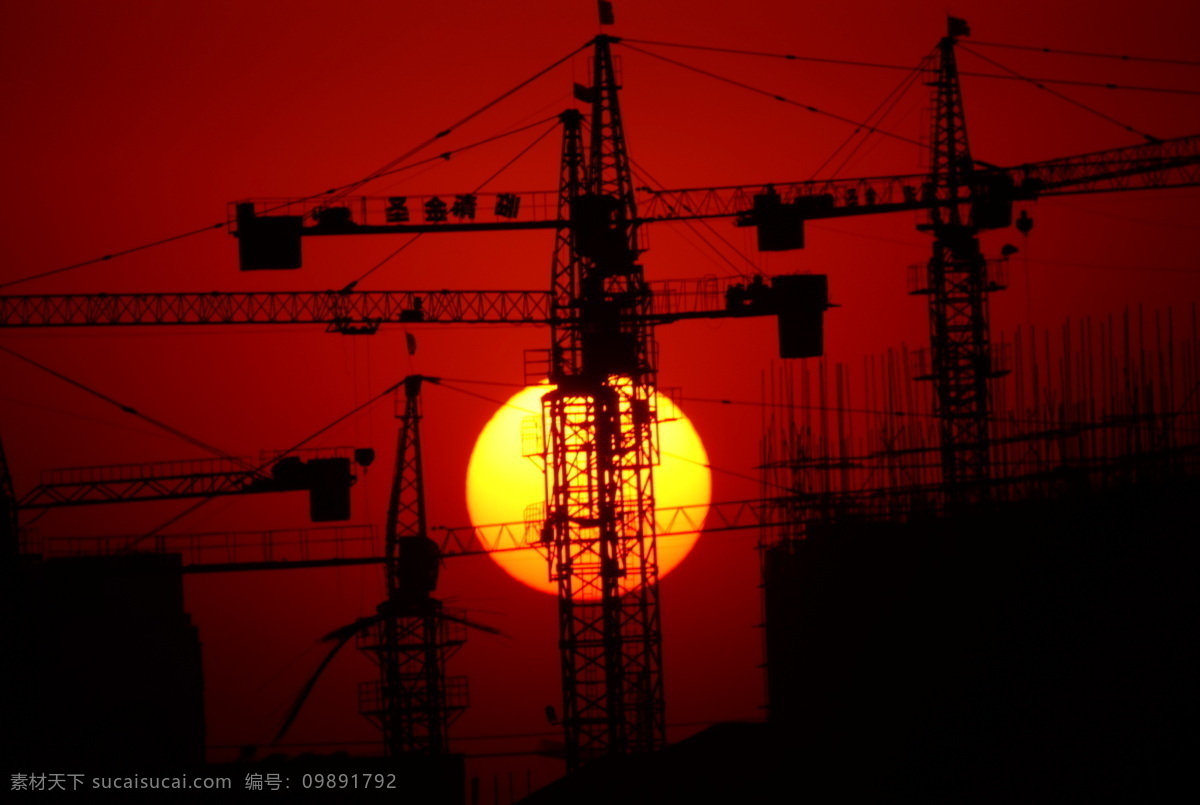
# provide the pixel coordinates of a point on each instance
(131, 121)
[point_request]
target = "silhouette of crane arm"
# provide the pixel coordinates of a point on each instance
(712, 517)
(270, 230)
(327, 479)
(353, 312)
(337, 546)
(1160, 164)
(1166, 163)
(334, 308)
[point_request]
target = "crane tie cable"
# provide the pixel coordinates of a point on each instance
(1152, 59)
(787, 56)
(192, 440)
(478, 189)
(894, 97)
(499, 98)
(777, 97)
(1057, 94)
(651, 180)
(445, 156)
(883, 66)
(205, 501)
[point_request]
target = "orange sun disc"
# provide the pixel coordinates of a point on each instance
(503, 486)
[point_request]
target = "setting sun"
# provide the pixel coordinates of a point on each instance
(502, 483)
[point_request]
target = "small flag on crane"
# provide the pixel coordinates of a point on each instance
(606, 12)
(959, 27)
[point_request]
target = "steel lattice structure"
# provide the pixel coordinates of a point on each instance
(599, 436)
(197, 478)
(351, 312)
(957, 287)
(414, 702)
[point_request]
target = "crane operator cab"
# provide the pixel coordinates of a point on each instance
(419, 561)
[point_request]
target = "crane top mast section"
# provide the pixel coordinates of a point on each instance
(952, 170)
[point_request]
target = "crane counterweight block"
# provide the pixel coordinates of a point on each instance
(781, 225)
(327, 481)
(802, 301)
(418, 562)
(597, 227)
(330, 480)
(798, 301)
(267, 242)
(992, 201)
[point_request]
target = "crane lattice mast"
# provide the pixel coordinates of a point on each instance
(957, 286)
(413, 702)
(599, 435)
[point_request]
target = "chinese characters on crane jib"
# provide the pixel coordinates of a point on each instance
(463, 208)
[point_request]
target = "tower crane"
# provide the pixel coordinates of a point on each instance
(413, 702)
(411, 635)
(599, 420)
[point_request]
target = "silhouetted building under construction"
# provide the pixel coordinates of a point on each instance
(105, 662)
